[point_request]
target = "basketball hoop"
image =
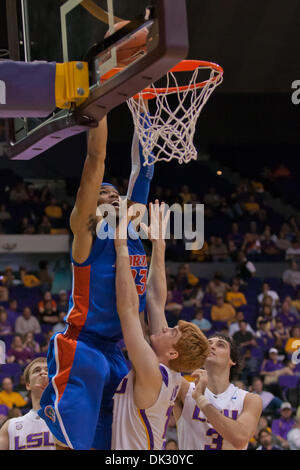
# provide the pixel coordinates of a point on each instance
(168, 133)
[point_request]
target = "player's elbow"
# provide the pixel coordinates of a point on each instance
(240, 442)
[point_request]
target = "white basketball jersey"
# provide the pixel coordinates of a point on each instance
(143, 429)
(29, 432)
(193, 429)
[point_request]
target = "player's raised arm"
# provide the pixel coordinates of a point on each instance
(91, 179)
(157, 283)
(140, 176)
(143, 358)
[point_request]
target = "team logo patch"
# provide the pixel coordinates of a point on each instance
(50, 413)
(19, 426)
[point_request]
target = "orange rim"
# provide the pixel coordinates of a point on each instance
(183, 66)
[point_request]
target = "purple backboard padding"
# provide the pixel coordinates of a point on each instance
(28, 88)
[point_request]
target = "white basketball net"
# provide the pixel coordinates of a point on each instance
(169, 133)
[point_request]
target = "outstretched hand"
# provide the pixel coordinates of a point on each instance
(156, 231)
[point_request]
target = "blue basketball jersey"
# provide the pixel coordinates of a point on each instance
(92, 306)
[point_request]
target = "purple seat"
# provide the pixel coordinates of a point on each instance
(3, 410)
(11, 370)
(289, 381)
(7, 340)
(187, 313)
(46, 328)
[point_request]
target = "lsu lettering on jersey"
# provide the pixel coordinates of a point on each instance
(139, 429)
(195, 432)
(92, 307)
(29, 432)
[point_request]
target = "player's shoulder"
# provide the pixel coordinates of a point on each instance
(252, 399)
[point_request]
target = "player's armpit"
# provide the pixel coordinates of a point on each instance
(4, 438)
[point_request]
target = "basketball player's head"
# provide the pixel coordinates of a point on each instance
(36, 376)
(108, 194)
(183, 348)
(223, 355)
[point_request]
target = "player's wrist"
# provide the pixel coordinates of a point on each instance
(122, 248)
(201, 401)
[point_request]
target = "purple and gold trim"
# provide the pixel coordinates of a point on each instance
(147, 426)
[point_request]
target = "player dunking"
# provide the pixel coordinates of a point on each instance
(29, 432)
(144, 399)
(85, 363)
(213, 414)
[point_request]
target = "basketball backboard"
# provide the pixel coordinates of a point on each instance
(74, 30)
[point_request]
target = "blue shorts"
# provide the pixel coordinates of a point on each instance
(77, 404)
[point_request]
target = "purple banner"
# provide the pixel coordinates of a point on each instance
(27, 89)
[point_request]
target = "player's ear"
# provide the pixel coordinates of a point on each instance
(28, 387)
(172, 354)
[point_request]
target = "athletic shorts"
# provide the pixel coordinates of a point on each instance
(77, 404)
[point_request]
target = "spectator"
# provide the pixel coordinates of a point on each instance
(288, 318)
(9, 277)
(5, 325)
(272, 368)
(217, 286)
(243, 338)
(47, 297)
(171, 444)
(218, 250)
(234, 327)
(28, 280)
(232, 250)
(293, 436)
(185, 279)
(235, 236)
(245, 269)
(270, 402)
(3, 294)
(13, 312)
(251, 206)
(18, 353)
(262, 424)
(282, 426)
(270, 293)
(45, 226)
(268, 245)
(4, 213)
(63, 301)
(282, 243)
(45, 342)
(185, 194)
(10, 398)
(173, 310)
(236, 298)
(27, 322)
(53, 210)
(201, 322)
(61, 325)
(265, 334)
(291, 276)
(265, 441)
(281, 334)
(293, 342)
(212, 199)
(26, 226)
(30, 343)
(293, 252)
(268, 310)
(48, 316)
(45, 278)
(251, 245)
(281, 172)
(19, 194)
(222, 312)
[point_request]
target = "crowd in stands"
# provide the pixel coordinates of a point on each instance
(236, 219)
